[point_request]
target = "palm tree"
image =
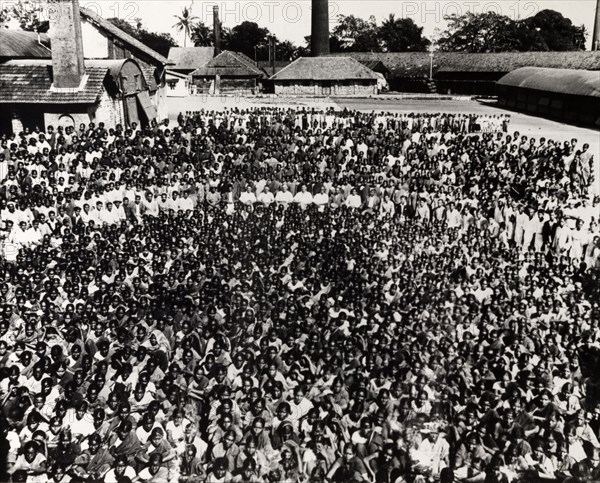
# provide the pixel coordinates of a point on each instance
(185, 22)
(201, 35)
(390, 21)
(402, 35)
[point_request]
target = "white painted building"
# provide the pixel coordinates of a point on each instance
(177, 84)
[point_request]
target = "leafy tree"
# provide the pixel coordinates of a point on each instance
(481, 32)
(491, 32)
(29, 15)
(244, 37)
(185, 23)
(225, 37)
(202, 35)
(355, 34)
(402, 35)
(161, 43)
(304, 50)
(335, 45)
(286, 50)
(4, 16)
(557, 32)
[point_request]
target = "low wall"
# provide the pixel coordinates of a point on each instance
(325, 89)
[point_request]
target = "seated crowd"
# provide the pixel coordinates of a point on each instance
(281, 295)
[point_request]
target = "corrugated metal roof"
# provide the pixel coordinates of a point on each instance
(190, 58)
(229, 63)
(417, 64)
(325, 68)
(21, 44)
(29, 82)
(149, 77)
(104, 24)
(562, 81)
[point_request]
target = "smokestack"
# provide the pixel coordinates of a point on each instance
(274, 54)
(68, 67)
(596, 33)
(319, 41)
(217, 30)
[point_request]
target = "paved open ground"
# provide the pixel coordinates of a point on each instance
(530, 125)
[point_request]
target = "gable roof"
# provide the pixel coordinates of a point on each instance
(189, 58)
(124, 37)
(325, 68)
(245, 59)
(562, 81)
(410, 64)
(19, 44)
(228, 63)
(23, 45)
(29, 82)
(375, 65)
(400, 64)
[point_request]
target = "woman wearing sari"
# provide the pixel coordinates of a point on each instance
(158, 345)
(95, 461)
(125, 442)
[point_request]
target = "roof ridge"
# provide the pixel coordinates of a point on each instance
(287, 66)
(244, 59)
(317, 68)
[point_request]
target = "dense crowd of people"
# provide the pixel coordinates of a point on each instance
(286, 295)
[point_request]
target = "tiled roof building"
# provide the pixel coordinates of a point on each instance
(325, 76)
(64, 79)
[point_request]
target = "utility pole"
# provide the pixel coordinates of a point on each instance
(269, 42)
(274, 54)
(596, 33)
(431, 64)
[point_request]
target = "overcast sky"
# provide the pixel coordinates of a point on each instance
(290, 20)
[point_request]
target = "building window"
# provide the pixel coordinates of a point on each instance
(138, 82)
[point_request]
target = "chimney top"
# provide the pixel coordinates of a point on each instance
(216, 30)
(319, 41)
(68, 67)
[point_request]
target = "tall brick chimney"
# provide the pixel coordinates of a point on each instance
(217, 30)
(68, 67)
(319, 41)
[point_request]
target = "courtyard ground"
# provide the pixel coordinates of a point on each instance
(529, 125)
